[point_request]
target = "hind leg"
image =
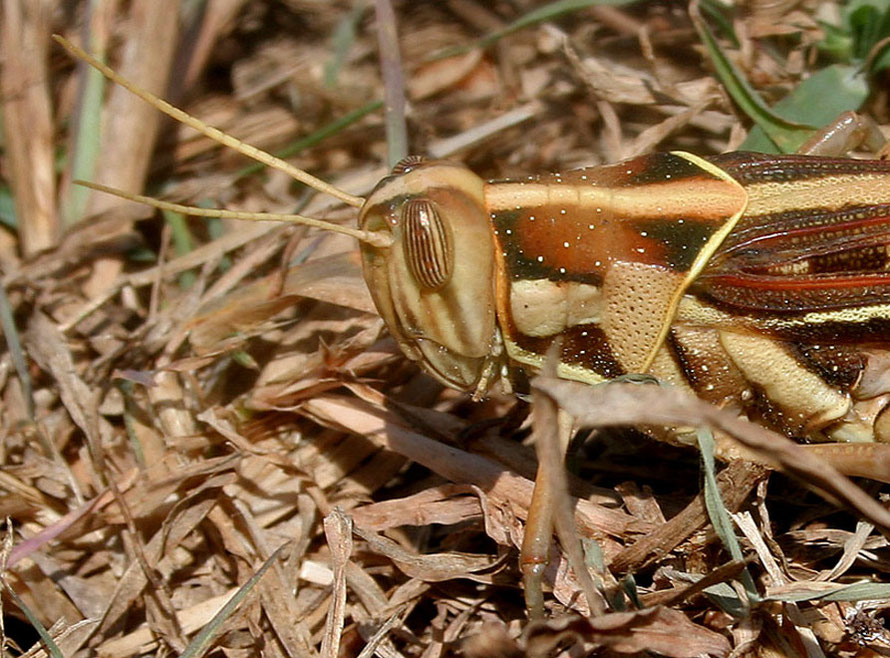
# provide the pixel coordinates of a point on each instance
(848, 132)
(535, 552)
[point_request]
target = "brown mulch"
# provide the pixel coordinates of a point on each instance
(197, 412)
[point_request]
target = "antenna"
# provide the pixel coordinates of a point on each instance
(375, 239)
(235, 144)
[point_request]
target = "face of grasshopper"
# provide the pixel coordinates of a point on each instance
(434, 285)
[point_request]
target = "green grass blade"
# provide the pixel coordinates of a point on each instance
(864, 591)
(87, 137)
(7, 208)
(45, 637)
(14, 345)
(548, 12)
(342, 40)
(316, 137)
(182, 243)
(787, 135)
(201, 642)
(717, 512)
(817, 101)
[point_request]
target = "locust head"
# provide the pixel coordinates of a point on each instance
(434, 282)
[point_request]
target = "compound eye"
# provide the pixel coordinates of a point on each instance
(428, 247)
(406, 164)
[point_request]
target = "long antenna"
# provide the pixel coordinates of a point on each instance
(211, 132)
(375, 239)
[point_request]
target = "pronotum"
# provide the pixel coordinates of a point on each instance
(758, 282)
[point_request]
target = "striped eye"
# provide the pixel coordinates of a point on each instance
(406, 164)
(428, 247)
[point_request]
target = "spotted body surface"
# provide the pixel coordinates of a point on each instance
(756, 281)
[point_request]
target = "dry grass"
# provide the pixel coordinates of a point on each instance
(188, 405)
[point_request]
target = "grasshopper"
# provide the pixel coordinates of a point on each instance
(758, 282)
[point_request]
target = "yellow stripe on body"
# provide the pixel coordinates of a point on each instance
(694, 312)
(706, 252)
(626, 203)
(564, 370)
(828, 192)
